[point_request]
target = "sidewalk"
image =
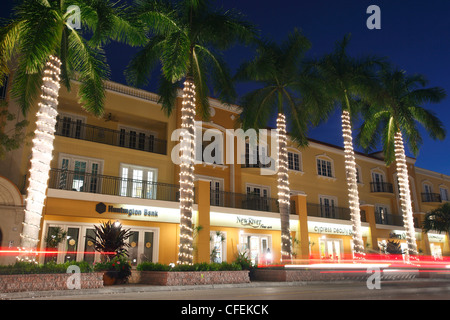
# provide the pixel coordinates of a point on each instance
(139, 288)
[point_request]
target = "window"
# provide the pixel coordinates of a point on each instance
(254, 158)
(70, 125)
(381, 212)
(444, 193)
(136, 139)
(358, 174)
(328, 206)
(427, 188)
(218, 246)
(138, 182)
(324, 168)
(293, 161)
(79, 173)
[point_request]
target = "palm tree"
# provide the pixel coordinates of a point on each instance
(41, 42)
(278, 70)
(437, 219)
(184, 38)
(395, 112)
(347, 80)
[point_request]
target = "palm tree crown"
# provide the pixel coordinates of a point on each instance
(39, 29)
(397, 106)
(185, 39)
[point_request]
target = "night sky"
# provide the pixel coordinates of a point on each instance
(414, 35)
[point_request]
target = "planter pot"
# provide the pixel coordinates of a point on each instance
(110, 278)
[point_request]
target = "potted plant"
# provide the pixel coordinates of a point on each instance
(116, 270)
(110, 240)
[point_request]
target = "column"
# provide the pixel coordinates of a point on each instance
(303, 237)
(370, 218)
(202, 194)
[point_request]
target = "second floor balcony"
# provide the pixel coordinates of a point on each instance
(331, 212)
(120, 138)
(381, 187)
(110, 185)
(431, 197)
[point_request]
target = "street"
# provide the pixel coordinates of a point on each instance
(389, 290)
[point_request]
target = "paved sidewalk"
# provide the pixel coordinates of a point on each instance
(138, 288)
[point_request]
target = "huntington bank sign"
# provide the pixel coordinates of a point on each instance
(212, 146)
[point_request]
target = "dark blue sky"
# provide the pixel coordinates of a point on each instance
(414, 35)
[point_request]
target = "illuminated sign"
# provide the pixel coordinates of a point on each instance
(252, 222)
(331, 228)
(127, 210)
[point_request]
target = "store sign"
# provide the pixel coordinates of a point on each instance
(252, 223)
(329, 228)
(244, 221)
(433, 237)
(128, 210)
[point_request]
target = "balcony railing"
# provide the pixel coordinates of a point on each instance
(246, 201)
(381, 187)
(110, 185)
(431, 197)
(87, 132)
(331, 212)
(388, 219)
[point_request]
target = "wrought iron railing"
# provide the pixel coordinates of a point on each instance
(246, 201)
(331, 212)
(122, 138)
(381, 187)
(431, 197)
(111, 185)
(388, 219)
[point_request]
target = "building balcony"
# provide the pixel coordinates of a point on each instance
(331, 212)
(246, 201)
(111, 185)
(382, 188)
(431, 197)
(388, 219)
(86, 132)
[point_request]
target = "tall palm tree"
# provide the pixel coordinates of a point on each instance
(40, 41)
(285, 89)
(395, 112)
(347, 80)
(185, 39)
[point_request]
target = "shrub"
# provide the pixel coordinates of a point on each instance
(118, 268)
(204, 266)
(50, 267)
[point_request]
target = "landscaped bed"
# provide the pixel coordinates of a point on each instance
(197, 274)
(24, 276)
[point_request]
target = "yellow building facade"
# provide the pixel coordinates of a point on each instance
(120, 167)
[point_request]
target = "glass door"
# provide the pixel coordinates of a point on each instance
(331, 249)
(73, 234)
(327, 206)
(378, 180)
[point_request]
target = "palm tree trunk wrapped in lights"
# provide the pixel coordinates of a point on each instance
(41, 153)
(187, 173)
(350, 169)
(405, 196)
(351, 174)
(283, 187)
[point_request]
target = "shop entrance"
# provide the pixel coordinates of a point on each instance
(76, 247)
(257, 247)
(331, 249)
